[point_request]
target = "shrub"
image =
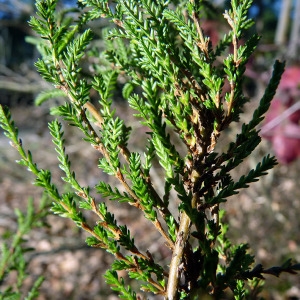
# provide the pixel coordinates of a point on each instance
(187, 93)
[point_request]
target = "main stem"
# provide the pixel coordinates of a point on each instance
(181, 239)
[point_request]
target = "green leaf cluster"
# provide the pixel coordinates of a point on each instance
(14, 249)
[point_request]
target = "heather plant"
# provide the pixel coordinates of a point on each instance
(13, 251)
(187, 93)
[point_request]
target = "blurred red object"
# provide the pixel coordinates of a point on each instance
(290, 79)
(286, 143)
(281, 126)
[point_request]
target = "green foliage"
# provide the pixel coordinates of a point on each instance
(119, 286)
(47, 95)
(186, 93)
(13, 252)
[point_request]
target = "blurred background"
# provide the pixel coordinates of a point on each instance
(266, 215)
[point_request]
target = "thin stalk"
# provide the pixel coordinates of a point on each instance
(181, 240)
